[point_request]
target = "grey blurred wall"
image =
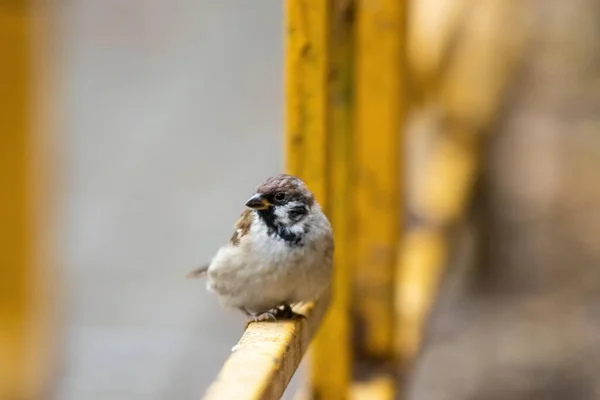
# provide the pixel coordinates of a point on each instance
(173, 114)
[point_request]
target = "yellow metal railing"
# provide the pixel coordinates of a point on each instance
(265, 359)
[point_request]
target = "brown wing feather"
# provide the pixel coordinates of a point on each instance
(242, 226)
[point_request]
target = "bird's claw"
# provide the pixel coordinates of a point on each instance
(282, 312)
(264, 316)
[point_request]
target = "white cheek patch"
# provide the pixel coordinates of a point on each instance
(282, 213)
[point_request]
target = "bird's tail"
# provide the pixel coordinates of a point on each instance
(198, 272)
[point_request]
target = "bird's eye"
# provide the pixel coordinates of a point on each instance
(280, 196)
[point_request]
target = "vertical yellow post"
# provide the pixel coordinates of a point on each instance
(306, 93)
(380, 107)
(319, 145)
(23, 352)
(331, 350)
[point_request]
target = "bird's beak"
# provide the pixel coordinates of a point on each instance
(258, 202)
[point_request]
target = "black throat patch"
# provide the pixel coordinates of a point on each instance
(274, 228)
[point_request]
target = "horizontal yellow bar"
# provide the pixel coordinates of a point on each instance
(266, 357)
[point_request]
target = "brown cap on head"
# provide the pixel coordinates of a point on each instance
(294, 189)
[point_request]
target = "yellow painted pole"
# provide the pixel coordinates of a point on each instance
(263, 362)
(380, 105)
(318, 149)
(331, 351)
(306, 71)
(24, 301)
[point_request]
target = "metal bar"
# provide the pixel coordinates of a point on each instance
(318, 82)
(379, 113)
(306, 72)
(266, 357)
(331, 358)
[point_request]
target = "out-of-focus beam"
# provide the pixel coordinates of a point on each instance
(25, 304)
(470, 87)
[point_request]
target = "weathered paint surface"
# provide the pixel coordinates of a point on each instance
(266, 357)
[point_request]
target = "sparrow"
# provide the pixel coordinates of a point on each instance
(280, 254)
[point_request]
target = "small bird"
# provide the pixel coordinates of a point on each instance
(280, 254)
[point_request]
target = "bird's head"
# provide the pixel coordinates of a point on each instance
(283, 200)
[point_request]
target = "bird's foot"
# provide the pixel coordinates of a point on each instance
(258, 317)
(283, 312)
(265, 316)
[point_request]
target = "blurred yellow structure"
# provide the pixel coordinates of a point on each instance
(26, 312)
